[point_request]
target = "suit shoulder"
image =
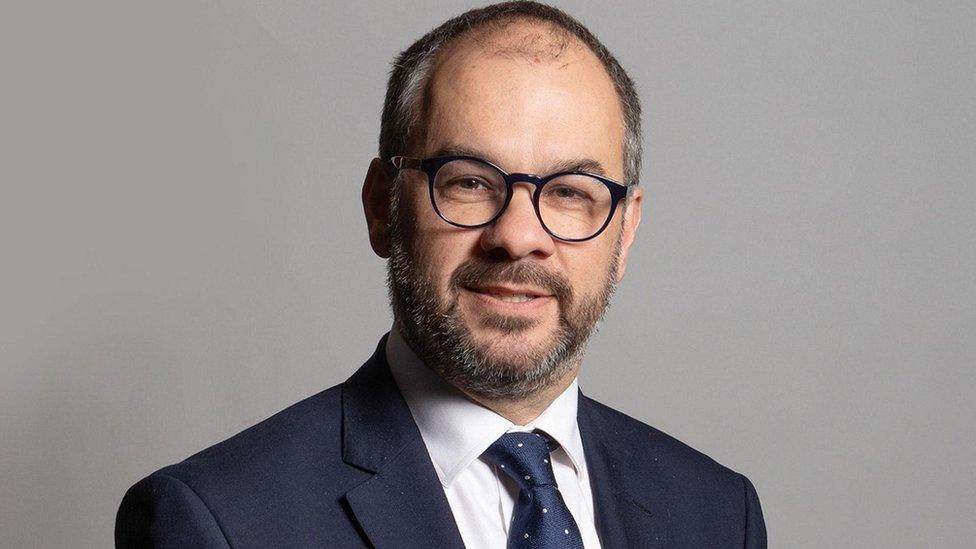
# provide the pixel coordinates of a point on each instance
(309, 429)
(706, 501)
(162, 511)
(649, 443)
(286, 471)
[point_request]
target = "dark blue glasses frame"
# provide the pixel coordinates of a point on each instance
(430, 166)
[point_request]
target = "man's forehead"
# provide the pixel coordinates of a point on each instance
(478, 91)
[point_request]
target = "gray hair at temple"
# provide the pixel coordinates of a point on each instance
(403, 116)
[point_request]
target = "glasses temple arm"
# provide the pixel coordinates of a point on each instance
(405, 162)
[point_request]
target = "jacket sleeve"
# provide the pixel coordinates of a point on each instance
(163, 512)
(755, 526)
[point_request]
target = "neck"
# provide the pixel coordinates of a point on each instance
(522, 411)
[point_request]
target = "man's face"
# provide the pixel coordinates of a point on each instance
(505, 310)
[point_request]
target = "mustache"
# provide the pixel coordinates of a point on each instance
(479, 271)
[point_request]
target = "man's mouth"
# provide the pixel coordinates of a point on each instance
(509, 294)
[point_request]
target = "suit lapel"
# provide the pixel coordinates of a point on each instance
(402, 504)
(630, 502)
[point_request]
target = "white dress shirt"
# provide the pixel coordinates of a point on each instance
(458, 430)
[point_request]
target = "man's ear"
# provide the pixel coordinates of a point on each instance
(632, 219)
(376, 206)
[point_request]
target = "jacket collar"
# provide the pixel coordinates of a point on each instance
(402, 504)
(629, 495)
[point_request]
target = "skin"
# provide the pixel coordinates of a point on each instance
(530, 114)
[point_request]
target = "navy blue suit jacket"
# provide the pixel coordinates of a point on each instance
(348, 468)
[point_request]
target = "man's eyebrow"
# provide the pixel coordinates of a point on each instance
(588, 165)
(579, 165)
(457, 150)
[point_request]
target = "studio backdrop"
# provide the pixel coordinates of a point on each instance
(184, 252)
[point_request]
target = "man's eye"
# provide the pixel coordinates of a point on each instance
(469, 184)
(563, 192)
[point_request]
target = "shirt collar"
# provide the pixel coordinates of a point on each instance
(456, 429)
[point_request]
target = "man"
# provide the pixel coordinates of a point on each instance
(466, 427)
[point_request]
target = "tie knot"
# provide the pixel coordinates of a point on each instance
(524, 457)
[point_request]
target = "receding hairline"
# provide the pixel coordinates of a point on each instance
(522, 35)
(531, 39)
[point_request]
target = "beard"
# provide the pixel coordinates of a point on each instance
(433, 326)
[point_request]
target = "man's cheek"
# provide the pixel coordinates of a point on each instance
(439, 265)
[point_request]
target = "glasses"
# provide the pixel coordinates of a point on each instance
(469, 192)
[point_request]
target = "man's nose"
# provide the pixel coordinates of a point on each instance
(518, 233)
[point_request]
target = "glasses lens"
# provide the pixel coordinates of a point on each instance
(575, 206)
(467, 192)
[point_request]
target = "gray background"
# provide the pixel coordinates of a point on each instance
(184, 254)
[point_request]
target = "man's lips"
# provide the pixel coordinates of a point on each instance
(510, 294)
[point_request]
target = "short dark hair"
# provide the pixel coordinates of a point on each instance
(407, 88)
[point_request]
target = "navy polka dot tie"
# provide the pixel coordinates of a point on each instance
(540, 518)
